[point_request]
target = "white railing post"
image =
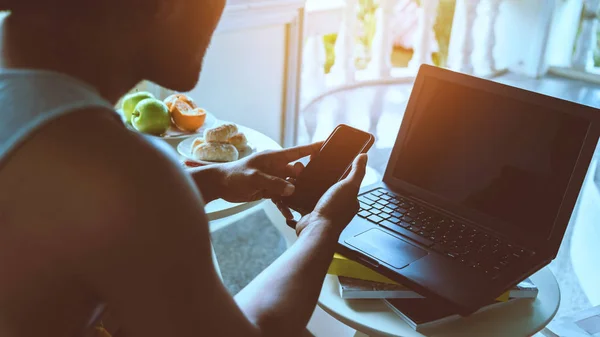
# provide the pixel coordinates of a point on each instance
(344, 69)
(382, 47)
(585, 44)
(422, 46)
(493, 13)
(462, 41)
(313, 73)
(469, 42)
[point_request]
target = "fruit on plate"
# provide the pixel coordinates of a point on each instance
(131, 100)
(185, 117)
(151, 116)
(179, 97)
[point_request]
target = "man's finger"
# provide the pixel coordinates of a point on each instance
(293, 170)
(295, 153)
(359, 168)
(273, 186)
(285, 211)
(292, 223)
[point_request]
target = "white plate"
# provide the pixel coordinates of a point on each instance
(185, 149)
(174, 133)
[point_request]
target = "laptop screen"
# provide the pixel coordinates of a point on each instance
(508, 159)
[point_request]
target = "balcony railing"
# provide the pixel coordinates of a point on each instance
(586, 40)
(396, 20)
(585, 58)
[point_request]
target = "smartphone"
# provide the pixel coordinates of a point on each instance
(330, 165)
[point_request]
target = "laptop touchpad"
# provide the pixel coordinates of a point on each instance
(386, 248)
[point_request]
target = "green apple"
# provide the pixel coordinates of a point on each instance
(151, 116)
(131, 100)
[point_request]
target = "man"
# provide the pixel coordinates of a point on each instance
(91, 213)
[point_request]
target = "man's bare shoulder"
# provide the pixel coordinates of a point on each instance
(86, 174)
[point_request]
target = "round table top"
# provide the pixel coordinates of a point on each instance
(522, 317)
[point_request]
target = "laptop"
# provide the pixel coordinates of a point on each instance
(478, 191)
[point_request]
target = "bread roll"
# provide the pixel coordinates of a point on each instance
(220, 134)
(197, 142)
(239, 140)
(244, 151)
(218, 152)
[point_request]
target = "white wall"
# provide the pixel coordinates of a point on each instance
(243, 78)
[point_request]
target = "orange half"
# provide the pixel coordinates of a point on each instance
(186, 118)
(169, 101)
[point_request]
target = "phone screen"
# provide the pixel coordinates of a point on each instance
(329, 166)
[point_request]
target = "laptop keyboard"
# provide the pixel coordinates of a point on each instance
(458, 241)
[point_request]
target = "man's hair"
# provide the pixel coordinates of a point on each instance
(77, 6)
(17, 5)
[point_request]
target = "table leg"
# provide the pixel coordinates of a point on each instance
(360, 334)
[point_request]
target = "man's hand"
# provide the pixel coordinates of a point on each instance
(256, 177)
(337, 206)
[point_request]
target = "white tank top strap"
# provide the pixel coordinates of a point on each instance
(29, 99)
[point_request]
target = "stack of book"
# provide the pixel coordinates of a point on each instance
(359, 282)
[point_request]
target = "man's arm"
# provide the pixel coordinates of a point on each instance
(208, 179)
(145, 247)
(283, 297)
(125, 224)
(285, 294)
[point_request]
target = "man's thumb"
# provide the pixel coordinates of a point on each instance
(359, 168)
